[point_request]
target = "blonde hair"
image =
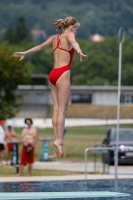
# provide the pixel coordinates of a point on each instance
(65, 23)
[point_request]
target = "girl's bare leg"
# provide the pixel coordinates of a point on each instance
(55, 109)
(60, 95)
(63, 95)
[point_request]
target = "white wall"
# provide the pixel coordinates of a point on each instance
(44, 97)
(104, 98)
(35, 97)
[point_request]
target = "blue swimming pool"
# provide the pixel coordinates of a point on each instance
(122, 185)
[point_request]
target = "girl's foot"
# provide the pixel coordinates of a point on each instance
(60, 155)
(59, 147)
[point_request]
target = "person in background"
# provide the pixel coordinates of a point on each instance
(29, 137)
(2, 141)
(10, 136)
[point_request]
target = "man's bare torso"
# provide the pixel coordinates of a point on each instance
(28, 135)
(11, 136)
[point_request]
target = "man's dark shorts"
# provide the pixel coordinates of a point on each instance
(2, 147)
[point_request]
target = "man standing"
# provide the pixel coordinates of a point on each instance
(29, 138)
(10, 137)
(2, 140)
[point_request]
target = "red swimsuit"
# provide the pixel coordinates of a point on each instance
(57, 72)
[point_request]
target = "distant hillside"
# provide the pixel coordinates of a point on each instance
(96, 16)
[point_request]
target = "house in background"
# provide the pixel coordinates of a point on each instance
(97, 38)
(38, 35)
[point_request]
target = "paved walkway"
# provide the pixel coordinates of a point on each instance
(80, 166)
(61, 178)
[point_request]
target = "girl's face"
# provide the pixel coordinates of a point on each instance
(75, 28)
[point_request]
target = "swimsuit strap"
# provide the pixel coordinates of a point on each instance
(58, 42)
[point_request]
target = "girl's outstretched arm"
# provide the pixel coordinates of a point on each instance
(75, 45)
(34, 49)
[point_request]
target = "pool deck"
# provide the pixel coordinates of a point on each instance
(124, 172)
(60, 178)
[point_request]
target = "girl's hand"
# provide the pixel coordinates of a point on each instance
(81, 55)
(19, 54)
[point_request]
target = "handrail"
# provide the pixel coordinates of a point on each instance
(102, 149)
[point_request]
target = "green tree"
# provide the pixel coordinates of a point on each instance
(9, 35)
(101, 65)
(12, 73)
(18, 33)
(43, 60)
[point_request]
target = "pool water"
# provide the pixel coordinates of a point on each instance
(121, 185)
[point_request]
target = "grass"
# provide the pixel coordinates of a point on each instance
(75, 141)
(6, 171)
(9, 171)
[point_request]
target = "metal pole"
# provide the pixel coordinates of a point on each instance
(94, 162)
(86, 154)
(121, 37)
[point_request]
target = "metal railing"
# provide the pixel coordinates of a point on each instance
(96, 150)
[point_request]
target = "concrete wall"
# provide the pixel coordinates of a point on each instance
(35, 102)
(33, 110)
(35, 97)
(104, 98)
